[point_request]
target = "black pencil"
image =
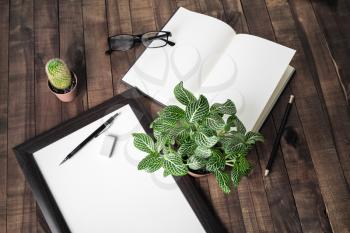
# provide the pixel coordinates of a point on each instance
(279, 135)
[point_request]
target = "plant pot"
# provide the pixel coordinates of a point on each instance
(197, 174)
(66, 95)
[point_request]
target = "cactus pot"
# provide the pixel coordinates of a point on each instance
(67, 95)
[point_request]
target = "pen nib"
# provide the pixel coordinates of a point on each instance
(63, 161)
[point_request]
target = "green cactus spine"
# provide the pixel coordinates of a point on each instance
(58, 73)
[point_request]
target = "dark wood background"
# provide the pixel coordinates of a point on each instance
(308, 189)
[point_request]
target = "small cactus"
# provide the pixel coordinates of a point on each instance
(58, 73)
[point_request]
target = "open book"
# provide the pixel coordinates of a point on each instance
(211, 59)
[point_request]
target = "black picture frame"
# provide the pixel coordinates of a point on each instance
(24, 153)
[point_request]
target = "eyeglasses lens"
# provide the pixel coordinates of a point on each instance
(122, 42)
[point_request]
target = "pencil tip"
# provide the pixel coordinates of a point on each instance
(267, 172)
(62, 162)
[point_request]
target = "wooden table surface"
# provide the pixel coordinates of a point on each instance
(308, 189)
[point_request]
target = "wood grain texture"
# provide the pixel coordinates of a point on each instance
(4, 30)
(72, 51)
(308, 188)
(312, 112)
(21, 207)
(324, 68)
(295, 149)
(46, 47)
(333, 18)
(46, 36)
(119, 22)
(253, 200)
(98, 64)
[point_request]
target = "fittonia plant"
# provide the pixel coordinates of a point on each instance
(199, 139)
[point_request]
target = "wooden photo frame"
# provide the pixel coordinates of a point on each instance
(42, 192)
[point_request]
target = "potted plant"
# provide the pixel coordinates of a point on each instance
(61, 81)
(198, 140)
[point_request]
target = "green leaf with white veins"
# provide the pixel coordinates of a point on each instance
(205, 141)
(215, 122)
(166, 173)
(202, 152)
(197, 110)
(216, 161)
(150, 163)
(195, 162)
(144, 142)
(240, 126)
(187, 148)
(236, 149)
(174, 165)
(172, 112)
(240, 168)
(182, 95)
(223, 180)
(228, 108)
(253, 137)
(163, 125)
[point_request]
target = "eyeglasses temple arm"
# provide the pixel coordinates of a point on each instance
(169, 42)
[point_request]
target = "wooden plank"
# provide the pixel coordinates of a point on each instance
(219, 202)
(235, 15)
(281, 200)
(72, 51)
(253, 199)
(192, 5)
(211, 7)
(295, 149)
(306, 204)
(119, 22)
(4, 32)
(21, 208)
(235, 212)
(315, 123)
(47, 106)
(327, 81)
(163, 10)
(333, 18)
(98, 66)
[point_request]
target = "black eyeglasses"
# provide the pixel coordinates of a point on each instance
(149, 40)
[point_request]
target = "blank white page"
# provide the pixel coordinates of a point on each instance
(197, 37)
(259, 73)
(100, 194)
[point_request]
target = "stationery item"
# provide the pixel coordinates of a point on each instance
(93, 194)
(213, 60)
(107, 145)
(279, 135)
(93, 135)
(125, 42)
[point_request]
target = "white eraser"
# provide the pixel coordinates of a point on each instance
(107, 145)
